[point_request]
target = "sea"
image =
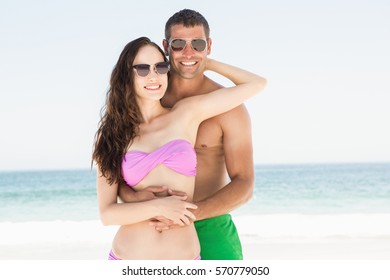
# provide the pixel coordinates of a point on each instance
(303, 189)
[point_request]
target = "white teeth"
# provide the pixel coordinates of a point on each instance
(152, 87)
(188, 63)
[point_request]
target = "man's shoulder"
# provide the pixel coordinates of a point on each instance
(210, 85)
(236, 114)
(233, 121)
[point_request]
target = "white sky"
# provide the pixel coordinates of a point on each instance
(327, 63)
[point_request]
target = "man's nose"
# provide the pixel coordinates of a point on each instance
(188, 51)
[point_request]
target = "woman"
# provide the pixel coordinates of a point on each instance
(145, 144)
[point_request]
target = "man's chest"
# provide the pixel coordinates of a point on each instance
(209, 134)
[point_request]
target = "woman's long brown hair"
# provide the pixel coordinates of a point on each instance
(121, 116)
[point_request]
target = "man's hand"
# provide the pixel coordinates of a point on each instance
(161, 223)
(126, 194)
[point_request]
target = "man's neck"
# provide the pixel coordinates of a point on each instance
(179, 88)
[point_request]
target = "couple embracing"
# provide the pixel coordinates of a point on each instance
(166, 140)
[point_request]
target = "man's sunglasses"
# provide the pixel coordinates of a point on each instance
(143, 70)
(198, 45)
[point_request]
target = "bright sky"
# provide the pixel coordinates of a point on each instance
(328, 66)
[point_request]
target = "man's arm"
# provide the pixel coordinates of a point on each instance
(237, 142)
(127, 194)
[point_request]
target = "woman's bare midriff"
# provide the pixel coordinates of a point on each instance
(142, 241)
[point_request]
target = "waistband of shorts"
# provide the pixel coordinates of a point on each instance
(220, 218)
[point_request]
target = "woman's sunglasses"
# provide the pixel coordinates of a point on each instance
(198, 45)
(143, 70)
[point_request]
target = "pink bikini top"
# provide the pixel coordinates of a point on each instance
(179, 155)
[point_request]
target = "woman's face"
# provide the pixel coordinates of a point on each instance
(149, 84)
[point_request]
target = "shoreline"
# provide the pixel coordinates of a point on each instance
(263, 237)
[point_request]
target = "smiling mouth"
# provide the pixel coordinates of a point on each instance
(191, 63)
(153, 87)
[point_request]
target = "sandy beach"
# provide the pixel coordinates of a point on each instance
(267, 237)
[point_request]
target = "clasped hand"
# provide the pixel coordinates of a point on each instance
(175, 210)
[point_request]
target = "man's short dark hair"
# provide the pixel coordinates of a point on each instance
(188, 18)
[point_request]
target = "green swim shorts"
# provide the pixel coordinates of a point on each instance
(219, 239)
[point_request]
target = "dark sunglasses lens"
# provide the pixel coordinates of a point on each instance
(178, 45)
(198, 44)
(162, 67)
(142, 69)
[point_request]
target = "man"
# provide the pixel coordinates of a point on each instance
(223, 145)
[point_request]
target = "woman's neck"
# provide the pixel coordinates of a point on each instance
(151, 110)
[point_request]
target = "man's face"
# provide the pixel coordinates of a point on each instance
(188, 62)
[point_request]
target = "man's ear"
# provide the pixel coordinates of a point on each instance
(166, 47)
(209, 43)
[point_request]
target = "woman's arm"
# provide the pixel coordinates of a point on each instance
(205, 106)
(174, 208)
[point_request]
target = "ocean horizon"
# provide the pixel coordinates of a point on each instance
(338, 188)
